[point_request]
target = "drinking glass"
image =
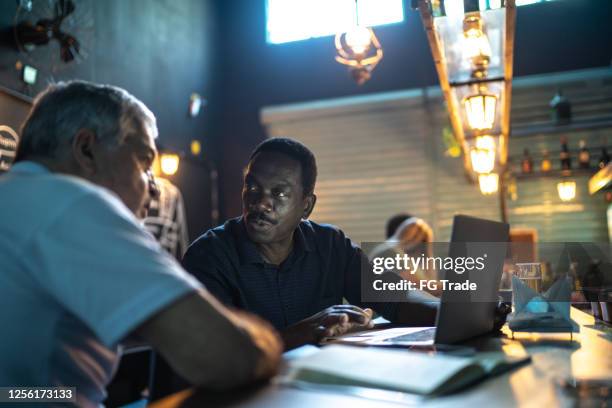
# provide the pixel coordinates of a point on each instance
(530, 274)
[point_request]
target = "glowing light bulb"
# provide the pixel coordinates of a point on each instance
(485, 142)
(359, 39)
(169, 163)
(483, 154)
(476, 49)
(195, 147)
(483, 160)
(566, 190)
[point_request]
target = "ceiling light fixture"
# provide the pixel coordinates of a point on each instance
(480, 109)
(472, 44)
(359, 49)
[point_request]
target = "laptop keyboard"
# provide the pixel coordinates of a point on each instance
(423, 335)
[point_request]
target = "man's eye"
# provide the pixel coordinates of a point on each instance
(281, 194)
(147, 161)
(251, 189)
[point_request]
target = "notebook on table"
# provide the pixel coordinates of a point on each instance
(399, 370)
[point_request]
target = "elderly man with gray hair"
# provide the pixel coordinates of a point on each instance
(80, 274)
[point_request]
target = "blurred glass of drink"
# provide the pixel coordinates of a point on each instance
(530, 274)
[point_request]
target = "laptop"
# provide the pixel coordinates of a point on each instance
(461, 315)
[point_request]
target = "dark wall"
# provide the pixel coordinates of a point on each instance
(550, 37)
(161, 51)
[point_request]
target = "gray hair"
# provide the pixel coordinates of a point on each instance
(64, 108)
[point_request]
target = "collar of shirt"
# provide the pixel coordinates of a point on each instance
(29, 167)
(248, 253)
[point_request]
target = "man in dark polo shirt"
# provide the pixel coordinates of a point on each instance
(275, 262)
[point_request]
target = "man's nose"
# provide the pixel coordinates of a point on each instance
(263, 203)
(153, 186)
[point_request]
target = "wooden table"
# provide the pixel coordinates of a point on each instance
(554, 357)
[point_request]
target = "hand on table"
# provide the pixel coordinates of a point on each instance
(333, 321)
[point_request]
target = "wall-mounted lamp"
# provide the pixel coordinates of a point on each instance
(169, 163)
(566, 190)
(359, 49)
(195, 147)
(489, 183)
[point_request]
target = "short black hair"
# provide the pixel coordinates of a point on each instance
(296, 151)
(395, 222)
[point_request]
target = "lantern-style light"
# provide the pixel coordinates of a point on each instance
(480, 109)
(483, 154)
(476, 46)
(566, 190)
(489, 183)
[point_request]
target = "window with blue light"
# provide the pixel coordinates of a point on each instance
(293, 20)
(493, 4)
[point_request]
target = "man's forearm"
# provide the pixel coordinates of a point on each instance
(212, 346)
(265, 339)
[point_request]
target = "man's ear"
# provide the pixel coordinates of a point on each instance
(309, 203)
(83, 145)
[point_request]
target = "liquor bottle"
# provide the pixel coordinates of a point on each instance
(604, 159)
(584, 157)
(566, 161)
(546, 163)
(527, 162)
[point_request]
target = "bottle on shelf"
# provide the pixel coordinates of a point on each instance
(546, 163)
(527, 162)
(564, 156)
(584, 157)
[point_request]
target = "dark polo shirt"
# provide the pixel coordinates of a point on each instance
(323, 268)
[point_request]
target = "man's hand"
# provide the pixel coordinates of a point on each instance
(333, 321)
